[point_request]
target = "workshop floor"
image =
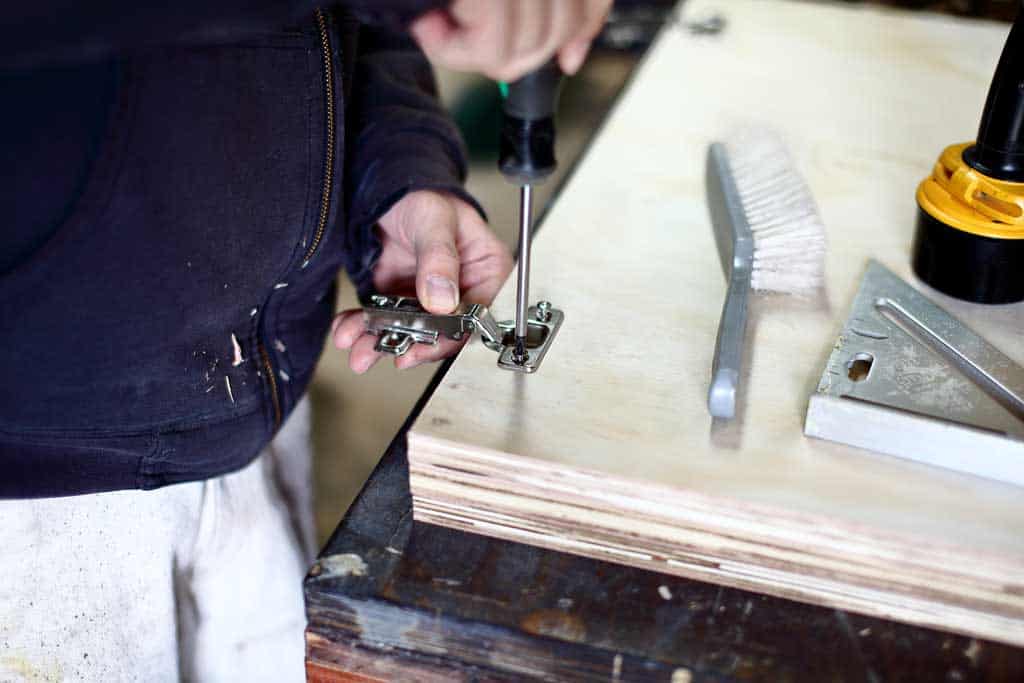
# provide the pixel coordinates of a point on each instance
(355, 417)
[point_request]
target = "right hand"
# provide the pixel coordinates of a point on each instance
(505, 39)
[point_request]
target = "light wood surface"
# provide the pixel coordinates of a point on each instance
(609, 450)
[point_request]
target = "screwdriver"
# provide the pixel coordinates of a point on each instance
(526, 159)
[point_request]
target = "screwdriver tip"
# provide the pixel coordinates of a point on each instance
(519, 354)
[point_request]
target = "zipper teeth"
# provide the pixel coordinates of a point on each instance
(325, 192)
(269, 369)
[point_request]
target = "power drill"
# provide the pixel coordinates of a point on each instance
(527, 158)
(970, 228)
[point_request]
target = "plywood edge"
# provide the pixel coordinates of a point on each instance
(779, 583)
(660, 543)
(579, 507)
(501, 472)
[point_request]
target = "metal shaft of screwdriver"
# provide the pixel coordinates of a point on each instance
(523, 276)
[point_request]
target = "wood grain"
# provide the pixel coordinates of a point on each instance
(609, 450)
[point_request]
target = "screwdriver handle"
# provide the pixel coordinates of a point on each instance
(528, 130)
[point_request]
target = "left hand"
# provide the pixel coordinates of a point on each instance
(436, 246)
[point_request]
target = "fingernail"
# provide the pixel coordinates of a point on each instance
(442, 294)
(573, 58)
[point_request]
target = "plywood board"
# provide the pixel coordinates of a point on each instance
(609, 450)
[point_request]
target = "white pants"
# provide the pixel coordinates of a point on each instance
(197, 582)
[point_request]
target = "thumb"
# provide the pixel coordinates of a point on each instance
(437, 258)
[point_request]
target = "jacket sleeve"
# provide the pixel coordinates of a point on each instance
(398, 139)
(49, 32)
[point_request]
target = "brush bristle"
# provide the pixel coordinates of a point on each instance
(789, 236)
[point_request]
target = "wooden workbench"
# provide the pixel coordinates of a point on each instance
(609, 450)
(391, 599)
(395, 599)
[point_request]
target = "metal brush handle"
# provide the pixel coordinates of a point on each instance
(736, 250)
(732, 331)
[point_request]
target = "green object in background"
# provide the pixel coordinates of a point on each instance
(477, 114)
(503, 87)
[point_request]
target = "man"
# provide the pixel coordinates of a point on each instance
(182, 185)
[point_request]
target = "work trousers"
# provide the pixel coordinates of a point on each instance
(197, 582)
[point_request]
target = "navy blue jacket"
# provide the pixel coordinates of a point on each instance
(178, 180)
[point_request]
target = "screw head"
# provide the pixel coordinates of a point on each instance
(544, 311)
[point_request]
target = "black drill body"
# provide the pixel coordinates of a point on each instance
(949, 256)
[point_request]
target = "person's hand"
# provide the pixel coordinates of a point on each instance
(505, 39)
(435, 247)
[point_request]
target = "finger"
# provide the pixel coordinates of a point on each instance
(433, 30)
(574, 52)
(485, 269)
(489, 283)
(466, 37)
(347, 328)
(424, 353)
(362, 357)
(486, 261)
(559, 24)
(437, 258)
(529, 27)
(572, 56)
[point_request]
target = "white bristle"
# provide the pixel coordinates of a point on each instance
(789, 237)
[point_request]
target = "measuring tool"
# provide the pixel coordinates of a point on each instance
(906, 378)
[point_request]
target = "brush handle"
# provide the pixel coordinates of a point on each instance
(735, 242)
(728, 360)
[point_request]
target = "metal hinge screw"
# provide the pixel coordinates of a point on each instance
(544, 311)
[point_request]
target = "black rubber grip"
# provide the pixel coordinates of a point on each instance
(999, 150)
(527, 153)
(535, 95)
(527, 150)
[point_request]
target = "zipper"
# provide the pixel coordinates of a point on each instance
(328, 178)
(325, 191)
(269, 369)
